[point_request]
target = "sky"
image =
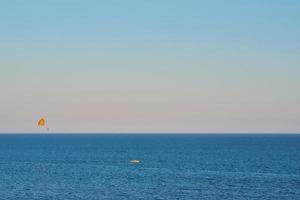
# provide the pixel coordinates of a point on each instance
(150, 66)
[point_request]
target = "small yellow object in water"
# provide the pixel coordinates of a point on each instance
(135, 161)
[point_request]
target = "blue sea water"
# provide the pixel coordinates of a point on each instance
(184, 166)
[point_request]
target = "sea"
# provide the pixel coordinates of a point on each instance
(172, 166)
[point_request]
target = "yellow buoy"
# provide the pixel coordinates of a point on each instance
(135, 161)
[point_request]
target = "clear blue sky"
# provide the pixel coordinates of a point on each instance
(150, 66)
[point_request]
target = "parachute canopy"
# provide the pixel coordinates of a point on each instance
(42, 122)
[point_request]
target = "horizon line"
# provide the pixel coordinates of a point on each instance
(158, 133)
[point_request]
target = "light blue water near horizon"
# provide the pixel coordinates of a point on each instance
(173, 166)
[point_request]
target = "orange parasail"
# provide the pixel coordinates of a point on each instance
(42, 122)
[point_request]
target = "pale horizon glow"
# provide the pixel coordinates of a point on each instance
(150, 66)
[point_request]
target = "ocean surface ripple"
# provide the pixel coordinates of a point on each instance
(173, 166)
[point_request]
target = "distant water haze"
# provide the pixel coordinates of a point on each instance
(150, 66)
